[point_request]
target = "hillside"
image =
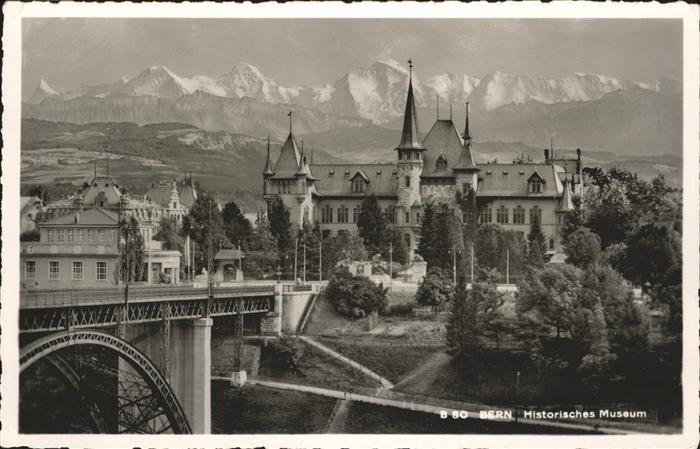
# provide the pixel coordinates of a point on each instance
(230, 164)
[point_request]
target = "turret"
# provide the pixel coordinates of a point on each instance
(268, 172)
(410, 152)
(466, 169)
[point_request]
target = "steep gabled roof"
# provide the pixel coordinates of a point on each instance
(288, 161)
(102, 184)
(188, 194)
(267, 171)
(443, 138)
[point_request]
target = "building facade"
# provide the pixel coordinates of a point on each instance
(170, 199)
(81, 250)
(427, 171)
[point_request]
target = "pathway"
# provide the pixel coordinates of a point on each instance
(406, 402)
(336, 422)
(386, 384)
(432, 364)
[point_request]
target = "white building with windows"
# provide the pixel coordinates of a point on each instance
(427, 171)
(80, 250)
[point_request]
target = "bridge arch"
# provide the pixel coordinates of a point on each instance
(48, 345)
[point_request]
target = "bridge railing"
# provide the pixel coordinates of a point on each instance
(49, 298)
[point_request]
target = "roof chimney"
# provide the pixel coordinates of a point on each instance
(546, 154)
(77, 217)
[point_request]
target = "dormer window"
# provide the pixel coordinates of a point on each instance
(536, 183)
(359, 182)
(441, 163)
(359, 185)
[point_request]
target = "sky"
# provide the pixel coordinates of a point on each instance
(313, 52)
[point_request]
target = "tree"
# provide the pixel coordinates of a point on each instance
(132, 251)
(474, 316)
(548, 296)
(202, 223)
(428, 238)
(309, 238)
(574, 219)
(469, 207)
(596, 364)
(281, 228)
(537, 245)
(435, 290)
(261, 250)
(400, 251)
(372, 226)
(341, 247)
(355, 296)
(487, 248)
(582, 248)
(449, 238)
(609, 212)
(236, 226)
(170, 234)
(462, 329)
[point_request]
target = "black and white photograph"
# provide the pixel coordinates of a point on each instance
(429, 226)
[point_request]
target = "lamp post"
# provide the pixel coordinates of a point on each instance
(517, 393)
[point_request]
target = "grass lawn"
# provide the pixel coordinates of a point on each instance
(318, 369)
(257, 409)
(386, 358)
(371, 418)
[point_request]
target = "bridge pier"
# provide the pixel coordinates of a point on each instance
(189, 359)
(271, 323)
(190, 376)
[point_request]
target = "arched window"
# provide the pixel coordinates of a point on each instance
(407, 237)
(441, 163)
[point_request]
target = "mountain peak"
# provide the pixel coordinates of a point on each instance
(46, 88)
(394, 64)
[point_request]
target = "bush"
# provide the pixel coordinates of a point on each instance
(355, 297)
(405, 309)
(284, 354)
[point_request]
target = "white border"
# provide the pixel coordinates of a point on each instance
(11, 90)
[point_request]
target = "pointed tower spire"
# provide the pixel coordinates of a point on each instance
(467, 135)
(466, 159)
(450, 106)
(268, 164)
(566, 204)
(551, 146)
(290, 121)
(410, 136)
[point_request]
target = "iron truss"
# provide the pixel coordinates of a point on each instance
(90, 314)
(134, 399)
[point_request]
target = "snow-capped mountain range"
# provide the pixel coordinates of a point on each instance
(375, 92)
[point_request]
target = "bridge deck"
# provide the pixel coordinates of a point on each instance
(42, 311)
